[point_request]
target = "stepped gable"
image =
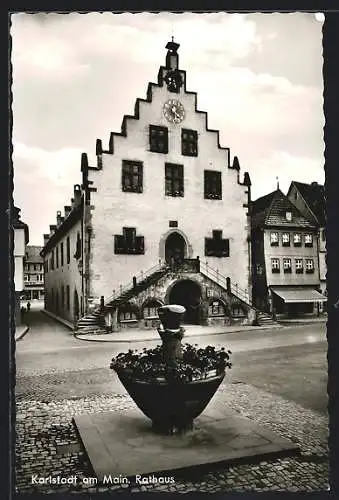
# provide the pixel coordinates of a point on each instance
(270, 210)
(314, 195)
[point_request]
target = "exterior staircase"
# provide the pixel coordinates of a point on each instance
(264, 319)
(94, 322)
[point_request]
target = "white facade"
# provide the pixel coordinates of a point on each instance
(151, 211)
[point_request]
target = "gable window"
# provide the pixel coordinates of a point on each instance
(132, 176)
(128, 242)
(68, 250)
(299, 268)
(174, 179)
(275, 263)
(212, 185)
(158, 139)
(274, 238)
(285, 238)
(288, 216)
(287, 265)
(217, 246)
(308, 239)
(297, 239)
(189, 142)
(309, 266)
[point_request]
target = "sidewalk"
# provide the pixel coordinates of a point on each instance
(21, 331)
(138, 335)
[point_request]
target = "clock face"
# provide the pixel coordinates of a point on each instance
(174, 111)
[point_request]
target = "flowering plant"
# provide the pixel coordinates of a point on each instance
(196, 363)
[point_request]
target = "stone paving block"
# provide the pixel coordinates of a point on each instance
(125, 444)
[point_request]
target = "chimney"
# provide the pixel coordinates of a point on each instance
(52, 229)
(77, 195)
(59, 218)
(67, 209)
(46, 238)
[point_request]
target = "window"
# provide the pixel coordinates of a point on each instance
(238, 311)
(174, 180)
(216, 308)
(52, 260)
(217, 246)
(158, 139)
(132, 176)
(299, 269)
(297, 239)
(67, 298)
(150, 310)
(41, 277)
(323, 234)
(173, 223)
(77, 254)
(46, 266)
(285, 238)
(309, 265)
(275, 263)
(289, 216)
(287, 265)
(25, 277)
(34, 267)
(212, 185)
(127, 312)
(128, 242)
(274, 238)
(28, 277)
(62, 297)
(189, 142)
(68, 250)
(62, 253)
(308, 239)
(260, 269)
(57, 256)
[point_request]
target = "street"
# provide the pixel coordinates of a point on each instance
(290, 362)
(278, 379)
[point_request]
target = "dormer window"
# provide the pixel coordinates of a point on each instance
(285, 239)
(297, 239)
(289, 216)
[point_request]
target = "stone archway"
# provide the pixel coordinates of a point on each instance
(187, 293)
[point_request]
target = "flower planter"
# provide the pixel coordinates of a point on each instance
(172, 384)
(171, 405)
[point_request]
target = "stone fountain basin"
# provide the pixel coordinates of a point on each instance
(166, 403)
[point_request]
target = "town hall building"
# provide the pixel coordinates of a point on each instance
(163, 217)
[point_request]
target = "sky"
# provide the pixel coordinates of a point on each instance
(258, 76)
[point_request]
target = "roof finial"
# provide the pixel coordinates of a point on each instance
(172, 38)
(277, 178)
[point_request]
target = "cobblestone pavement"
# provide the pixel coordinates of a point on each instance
(47, 445)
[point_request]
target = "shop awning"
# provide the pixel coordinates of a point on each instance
(292, 295)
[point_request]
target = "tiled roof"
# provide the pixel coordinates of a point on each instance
(270, 210)
(314, 195)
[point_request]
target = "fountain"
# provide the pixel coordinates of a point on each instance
(173, 383)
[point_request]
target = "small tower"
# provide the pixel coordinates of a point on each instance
(172, 57)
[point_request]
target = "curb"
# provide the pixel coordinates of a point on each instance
(203, 334)
(57, 318)
(21, 335)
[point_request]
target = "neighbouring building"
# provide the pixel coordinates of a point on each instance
(285, 266)
(21, 238)
(33, 273)
(310, 200)
(163, 217)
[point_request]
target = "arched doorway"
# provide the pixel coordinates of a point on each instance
(187, 293)
(76, 306)
(175, 249)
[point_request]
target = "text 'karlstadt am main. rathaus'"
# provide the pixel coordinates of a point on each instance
(163, 217)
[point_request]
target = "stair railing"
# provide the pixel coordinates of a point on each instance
(222, 281)
(139, 278)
